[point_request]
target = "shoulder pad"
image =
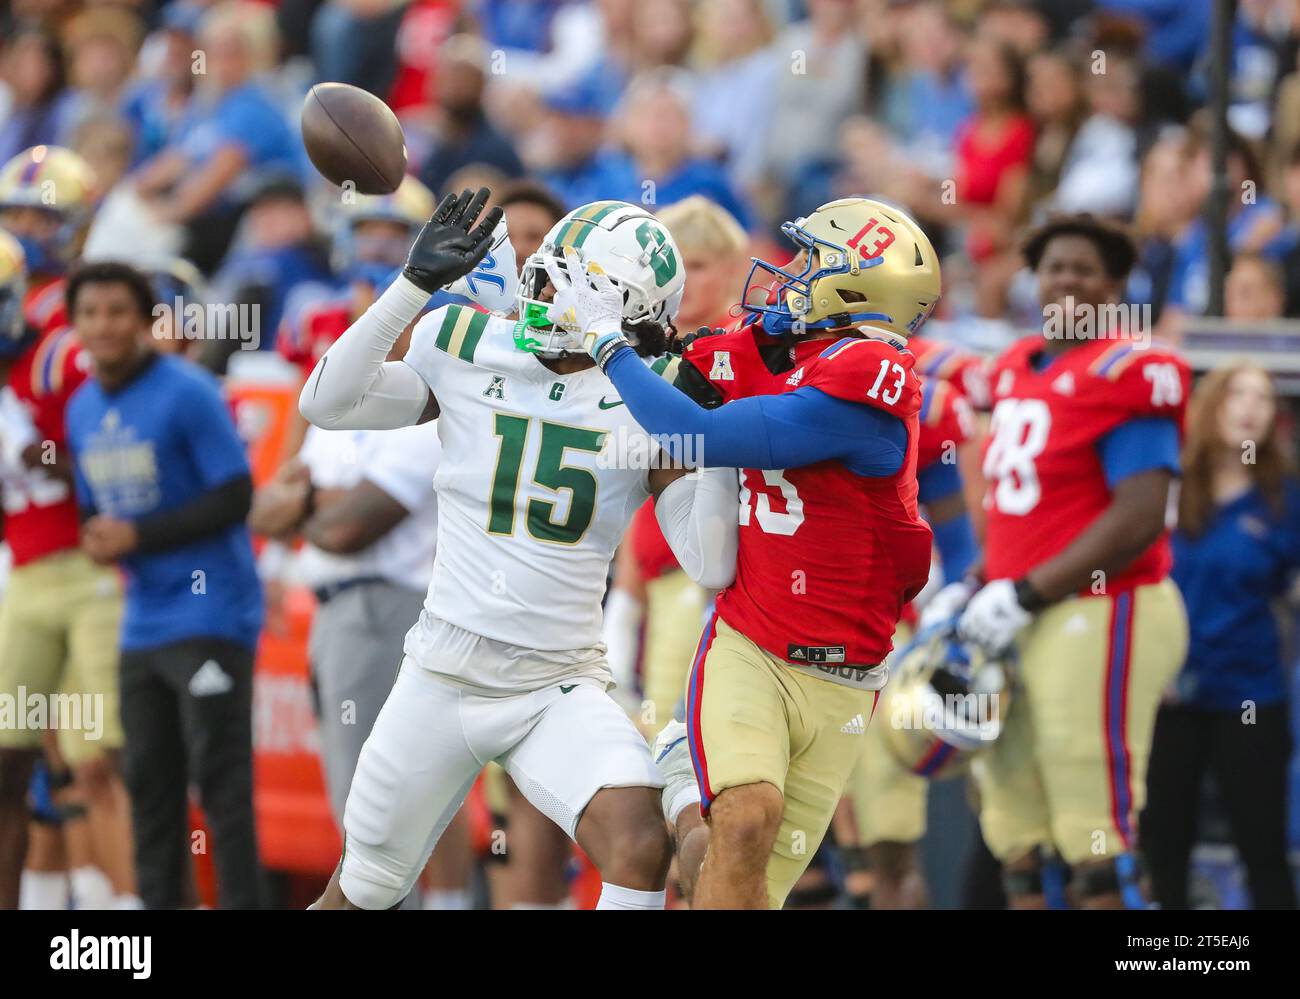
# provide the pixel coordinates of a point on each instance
(459, 331)
(1145, 382)
(867, 371)
(688, 378)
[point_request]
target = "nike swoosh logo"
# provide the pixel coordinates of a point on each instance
(565, 690)
(608, 405)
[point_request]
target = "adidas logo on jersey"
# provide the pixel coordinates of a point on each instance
(1005, 381)
(795, 378)
(854, 726)
(1065, 384)
(210, 679)
(497, 389)
(721, 370)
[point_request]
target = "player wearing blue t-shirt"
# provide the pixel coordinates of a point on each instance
(164, 487)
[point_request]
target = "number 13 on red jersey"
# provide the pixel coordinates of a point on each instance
(756, 501)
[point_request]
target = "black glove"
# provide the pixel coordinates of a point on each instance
(446, 248)
(678, 344)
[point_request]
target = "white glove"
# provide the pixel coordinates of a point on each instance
(946, 604)
(585, 297)
(494, 283)
(994, 617)
(16, 432)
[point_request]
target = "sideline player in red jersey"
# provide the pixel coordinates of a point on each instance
(1082, 450)
(60, 618)
(831, 544)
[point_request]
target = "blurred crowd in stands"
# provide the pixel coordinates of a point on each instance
(980, 117)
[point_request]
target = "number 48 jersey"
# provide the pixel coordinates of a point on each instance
(1046, 481)
(827, 557)
(539, 478)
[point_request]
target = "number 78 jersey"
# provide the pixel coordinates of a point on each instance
(827, 557)
(1044, 473)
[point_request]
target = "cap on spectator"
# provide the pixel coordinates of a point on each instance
(183, 16)
(277, 187)
(589, 97)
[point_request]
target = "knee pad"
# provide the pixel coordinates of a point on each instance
(40, 797)
(1045, 874)
(368, 882)
(1121, 873)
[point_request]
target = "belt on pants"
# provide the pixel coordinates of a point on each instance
(324, 594)
(861, 677)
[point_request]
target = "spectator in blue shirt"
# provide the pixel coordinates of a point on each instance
(461, 134)
(1177, 32)
(164, 487)
(155, 105)
(578, 168)
(231, 136)
(42, 110)
(278, 252)
(1234, 552)
(1254, 220)
(660, 167)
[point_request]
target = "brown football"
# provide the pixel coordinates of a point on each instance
(353, 136)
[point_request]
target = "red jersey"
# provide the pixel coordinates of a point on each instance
(41, 510)
(827, 557)
(310, 325)
(654, 556)
(1046, 482)
(967, 373)
(946, 422)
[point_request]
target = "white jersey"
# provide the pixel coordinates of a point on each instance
(540, 475)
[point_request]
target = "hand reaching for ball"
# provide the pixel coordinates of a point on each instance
(450, 245)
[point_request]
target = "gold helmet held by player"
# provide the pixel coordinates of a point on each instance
(861, 263)
(13, 290)
(375, 255)
(47, 196)
(946, 702)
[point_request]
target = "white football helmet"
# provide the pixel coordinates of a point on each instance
(632, 246)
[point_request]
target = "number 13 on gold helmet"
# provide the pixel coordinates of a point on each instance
(861, 263)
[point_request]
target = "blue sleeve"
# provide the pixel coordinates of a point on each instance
(250, 121)
(85, 497)
(955, 537)
(210, 435)
(776, 431)
(938, 480)
(1139, 445)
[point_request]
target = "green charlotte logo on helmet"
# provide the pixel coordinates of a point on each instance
(663, 261)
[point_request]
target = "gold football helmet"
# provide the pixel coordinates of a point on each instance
(56, 181)
(371, 258)
(411, 204)
(862, 262)
(13, 290)
(947, 702)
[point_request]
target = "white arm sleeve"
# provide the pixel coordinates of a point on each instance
(699, 515)
(620, 631)
(354, 386)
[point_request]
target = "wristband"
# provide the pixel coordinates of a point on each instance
(1028, 597)
(604, 349)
